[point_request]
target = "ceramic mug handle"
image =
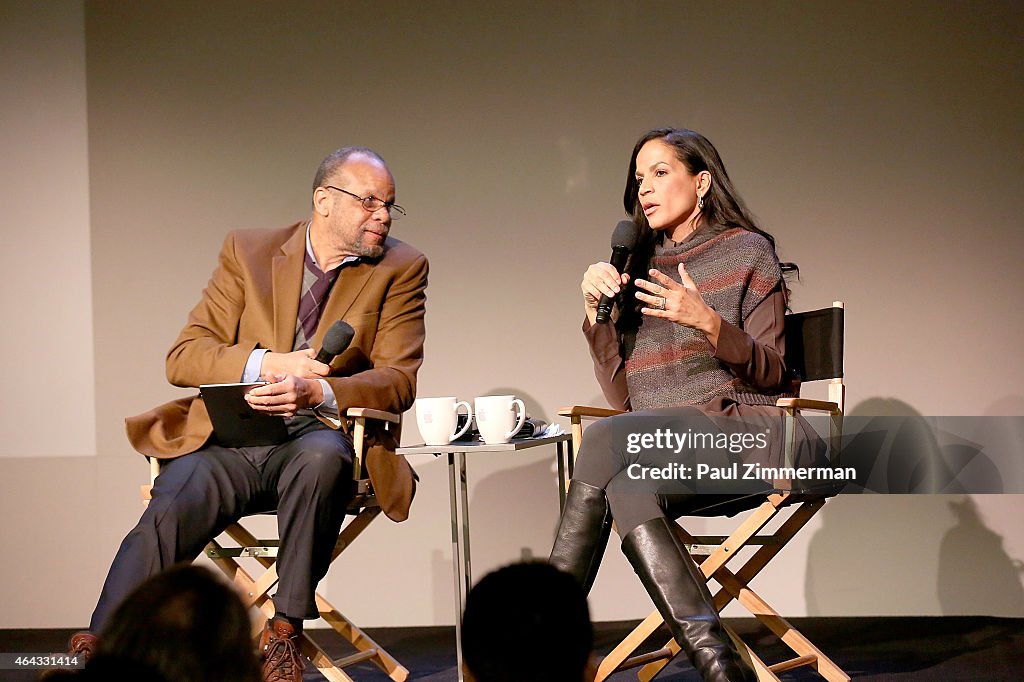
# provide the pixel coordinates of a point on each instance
(469, 420)
(522, 417)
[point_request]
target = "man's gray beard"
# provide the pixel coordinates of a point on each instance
(364, 250)
(369, 251)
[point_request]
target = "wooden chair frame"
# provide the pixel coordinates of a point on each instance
(255, 592)
(712, 553)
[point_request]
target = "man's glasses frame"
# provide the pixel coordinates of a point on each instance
(372, 203)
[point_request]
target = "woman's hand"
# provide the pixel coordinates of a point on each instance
(600, 279)
(681, 303)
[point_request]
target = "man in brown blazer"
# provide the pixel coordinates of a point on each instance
(264, 312)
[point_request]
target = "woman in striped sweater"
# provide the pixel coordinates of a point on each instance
(697, 341)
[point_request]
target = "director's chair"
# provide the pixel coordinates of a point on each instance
(814, 352)
(255, 592)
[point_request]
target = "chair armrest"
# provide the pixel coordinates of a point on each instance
(360, 415)
(368, 413)
(587, 412)
(807, 404)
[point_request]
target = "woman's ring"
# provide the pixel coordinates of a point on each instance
(662, 303)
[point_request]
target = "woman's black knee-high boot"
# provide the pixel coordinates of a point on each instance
(582, 533)
(681, 596)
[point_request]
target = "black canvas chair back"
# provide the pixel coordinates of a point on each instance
(814, 344)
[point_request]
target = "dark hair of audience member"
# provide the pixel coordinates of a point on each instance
(180, 625)
(527, 622)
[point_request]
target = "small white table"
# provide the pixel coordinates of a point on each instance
(460, 504)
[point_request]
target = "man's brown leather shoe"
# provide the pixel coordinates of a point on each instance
(279, 652)
(83, 645)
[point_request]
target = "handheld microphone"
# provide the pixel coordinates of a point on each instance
(623, 241)
(336, 340)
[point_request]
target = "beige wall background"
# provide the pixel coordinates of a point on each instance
(46, 295)
(881, 147)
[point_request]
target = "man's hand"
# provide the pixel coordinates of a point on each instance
(286, 395)
(298, 363)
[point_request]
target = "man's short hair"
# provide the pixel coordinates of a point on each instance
(337, 158)
(527, 622)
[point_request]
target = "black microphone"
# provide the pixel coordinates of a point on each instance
(623, 240)
(336, 340)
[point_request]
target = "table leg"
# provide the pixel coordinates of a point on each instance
(466, 560)
(565, 469)
(570, 458)
(462, 571)
(561, 479)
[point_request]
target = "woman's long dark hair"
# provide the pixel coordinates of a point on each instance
(723, 208)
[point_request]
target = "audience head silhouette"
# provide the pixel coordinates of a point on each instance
(527, 622)
(183, 624)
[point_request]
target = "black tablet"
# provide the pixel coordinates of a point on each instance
(237, 425)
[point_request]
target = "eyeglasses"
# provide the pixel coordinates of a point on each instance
(372, 203)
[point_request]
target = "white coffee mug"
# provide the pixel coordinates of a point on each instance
(438, 418)
(496, 417)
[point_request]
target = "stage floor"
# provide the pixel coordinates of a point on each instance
(939, 649)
